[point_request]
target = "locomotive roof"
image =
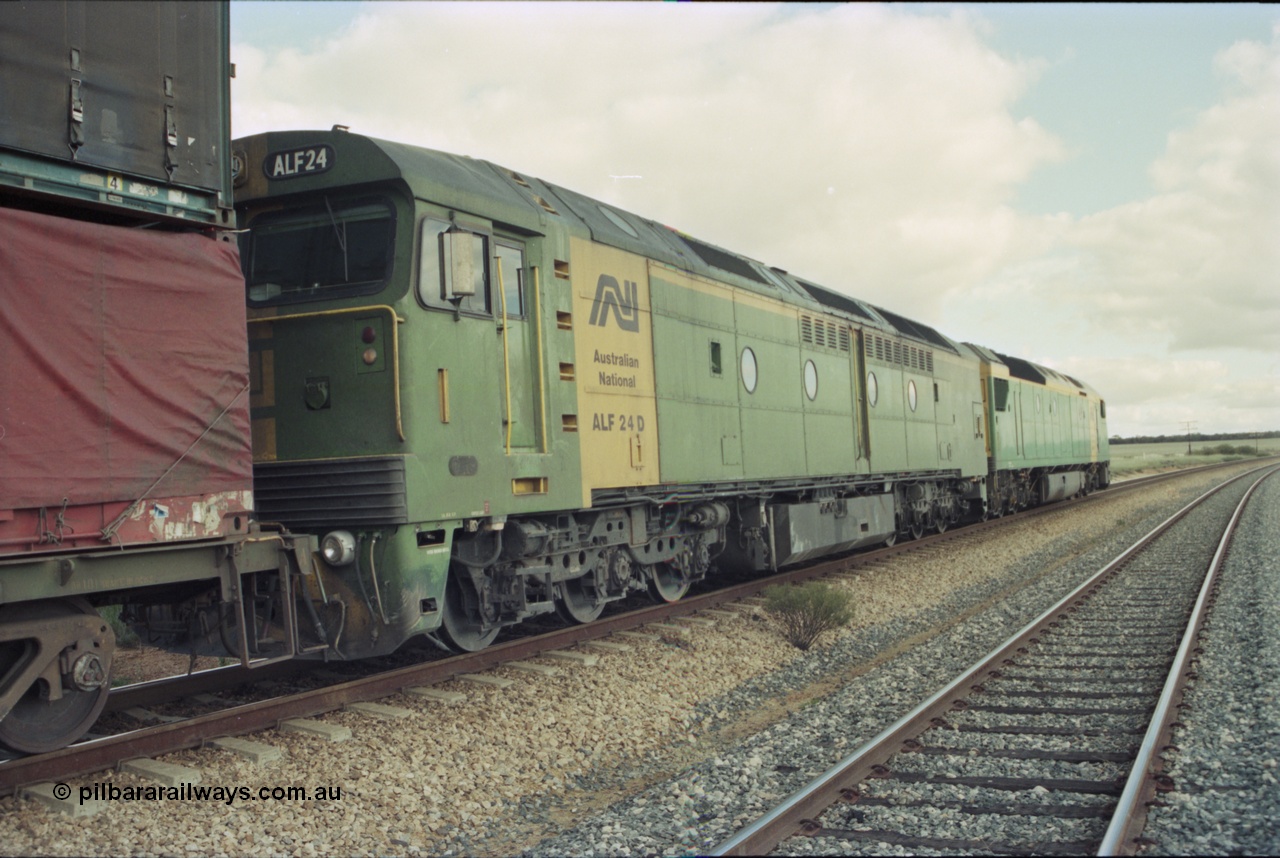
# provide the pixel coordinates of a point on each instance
(529, 205)
(1029, 371)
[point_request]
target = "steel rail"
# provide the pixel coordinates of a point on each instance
(1131, 811)
(763, 835)
(98, 754)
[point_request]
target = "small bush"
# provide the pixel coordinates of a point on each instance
(807, 611)
(124, 635)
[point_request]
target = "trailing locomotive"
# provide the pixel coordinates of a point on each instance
(493, 398)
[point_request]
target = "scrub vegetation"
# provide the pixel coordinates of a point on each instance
(1132, 459)
(806, 612)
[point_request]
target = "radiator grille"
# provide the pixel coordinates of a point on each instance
(332, 492)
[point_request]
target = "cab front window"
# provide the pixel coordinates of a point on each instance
(329, 249)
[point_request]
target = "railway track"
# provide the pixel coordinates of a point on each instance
(1051, 743)
(156, 739)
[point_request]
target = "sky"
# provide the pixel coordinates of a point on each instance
(1093, 187)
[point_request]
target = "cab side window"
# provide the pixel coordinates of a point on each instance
(511, 269)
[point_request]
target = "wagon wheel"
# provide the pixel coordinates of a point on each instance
(576, 601)
(38, 725)
(462, 627)
(666, 583)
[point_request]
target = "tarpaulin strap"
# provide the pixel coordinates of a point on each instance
(55, 537)
(109, 532)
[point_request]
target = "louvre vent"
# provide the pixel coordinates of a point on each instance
(903, 354)
(331, 492)
(819, 332)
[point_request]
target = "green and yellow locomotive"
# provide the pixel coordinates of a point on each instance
(492, 398)
(463, 396)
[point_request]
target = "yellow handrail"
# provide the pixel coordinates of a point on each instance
(395, 341)
(506, 356)
(542, 387)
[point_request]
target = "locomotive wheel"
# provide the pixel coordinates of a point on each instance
(917, 529)
(38, 725)
(462, 628)
(940, 524)
(576, 603)
(666, 584)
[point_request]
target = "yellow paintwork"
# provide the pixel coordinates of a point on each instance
(617, 408)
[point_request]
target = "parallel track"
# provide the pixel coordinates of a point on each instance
(1041, 738)
(107, 752)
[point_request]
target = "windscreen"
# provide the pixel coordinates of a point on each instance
(321, 250)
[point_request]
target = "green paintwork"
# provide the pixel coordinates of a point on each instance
(701, 317)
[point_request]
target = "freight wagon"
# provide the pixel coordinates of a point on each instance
(125, 461)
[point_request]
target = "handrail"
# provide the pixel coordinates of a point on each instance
(542, 370)
(506, 354)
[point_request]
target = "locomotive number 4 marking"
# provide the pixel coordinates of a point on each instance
(298, 162)
(619, 421)
(621, 300)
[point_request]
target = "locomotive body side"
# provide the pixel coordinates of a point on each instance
(494, 397)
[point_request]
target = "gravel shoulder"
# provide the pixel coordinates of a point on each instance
(1227, 773)
(664, 749)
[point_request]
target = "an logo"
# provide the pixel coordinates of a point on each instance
(621, 299)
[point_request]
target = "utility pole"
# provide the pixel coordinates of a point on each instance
(1189, 425)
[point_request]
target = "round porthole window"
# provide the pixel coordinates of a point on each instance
(911, 394)
(748, 366)
(810, 380)
(873, 389)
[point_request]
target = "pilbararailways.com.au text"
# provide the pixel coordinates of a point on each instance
(200, 792)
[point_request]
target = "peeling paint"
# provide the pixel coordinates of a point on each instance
(198, 517)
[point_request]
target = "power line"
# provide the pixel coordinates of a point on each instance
(1188, 425)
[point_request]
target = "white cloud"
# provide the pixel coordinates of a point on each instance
(1200, 261)
(876, 150)
(1148, 393)
(864, 147)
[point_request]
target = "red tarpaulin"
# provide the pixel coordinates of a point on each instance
(122, 354)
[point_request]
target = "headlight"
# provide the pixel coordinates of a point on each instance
(338, 548)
